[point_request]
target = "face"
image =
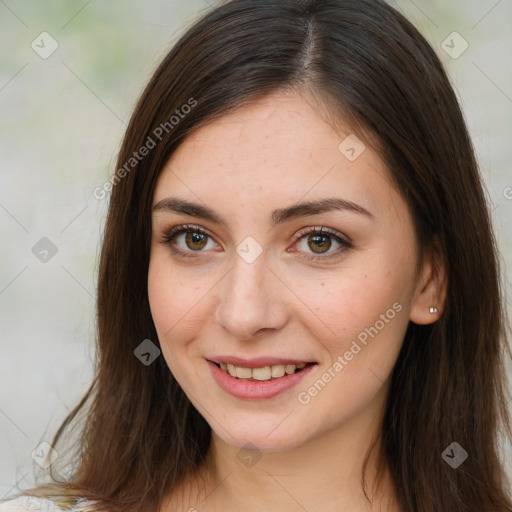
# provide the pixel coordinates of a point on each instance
(331, 286)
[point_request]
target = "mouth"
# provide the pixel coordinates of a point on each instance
(263, 373)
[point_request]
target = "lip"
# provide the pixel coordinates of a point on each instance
(256, 390)
(256, 362)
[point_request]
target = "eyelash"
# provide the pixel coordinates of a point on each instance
(169, 236)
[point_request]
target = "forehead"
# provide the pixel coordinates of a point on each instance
(273, 152)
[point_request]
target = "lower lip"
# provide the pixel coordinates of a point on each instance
(253, 389)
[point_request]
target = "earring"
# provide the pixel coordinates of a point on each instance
(433, 309)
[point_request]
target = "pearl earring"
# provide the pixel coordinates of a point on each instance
(433, 309)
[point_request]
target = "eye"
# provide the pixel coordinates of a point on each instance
(195, 239)
(320, 241)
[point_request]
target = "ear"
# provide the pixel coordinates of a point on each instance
(430, 287)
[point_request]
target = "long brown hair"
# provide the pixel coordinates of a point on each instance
(140, 434)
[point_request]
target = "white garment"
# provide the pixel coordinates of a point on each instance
(33, 504)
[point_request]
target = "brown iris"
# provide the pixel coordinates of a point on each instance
(196, 238)
(317, 240)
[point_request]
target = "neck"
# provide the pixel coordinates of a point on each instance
(325, 472)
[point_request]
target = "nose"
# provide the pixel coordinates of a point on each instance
(251, 299)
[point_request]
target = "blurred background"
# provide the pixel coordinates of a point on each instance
(70, 74)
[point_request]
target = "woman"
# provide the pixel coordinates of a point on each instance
(244, 362)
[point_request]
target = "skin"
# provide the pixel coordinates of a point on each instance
(277, 152)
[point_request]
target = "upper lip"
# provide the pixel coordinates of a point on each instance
(256, 362)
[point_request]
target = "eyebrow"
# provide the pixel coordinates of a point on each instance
(279, 216)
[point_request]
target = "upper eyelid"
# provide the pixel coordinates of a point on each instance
(180, 229)
(323, 230)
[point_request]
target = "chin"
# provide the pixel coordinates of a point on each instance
(260, 440)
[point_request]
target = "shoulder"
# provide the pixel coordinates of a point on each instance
(35, 504)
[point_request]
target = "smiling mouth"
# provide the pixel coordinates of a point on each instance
(265, 373)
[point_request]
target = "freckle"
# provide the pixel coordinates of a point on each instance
(323, 284)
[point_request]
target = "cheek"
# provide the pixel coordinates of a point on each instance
(175, 301)
(361, 314)
(362, 330)
(177, 304)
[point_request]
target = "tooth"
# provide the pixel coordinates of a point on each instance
(243, 373)
(289, 369)
(264, 373)
(277, 370)
(261, 373)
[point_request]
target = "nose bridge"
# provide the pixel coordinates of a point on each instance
(248, 301)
